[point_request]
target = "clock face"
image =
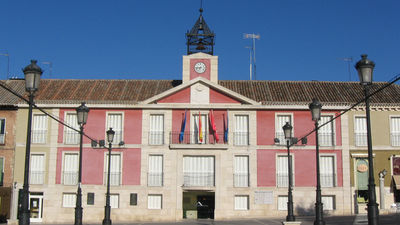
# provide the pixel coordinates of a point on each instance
(200, 67)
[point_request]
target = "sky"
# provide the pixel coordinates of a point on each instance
(145, 39)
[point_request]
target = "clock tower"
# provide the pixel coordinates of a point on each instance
(199, 61)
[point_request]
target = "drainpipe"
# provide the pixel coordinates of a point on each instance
(382, 175)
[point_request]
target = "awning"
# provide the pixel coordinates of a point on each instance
(396, 179)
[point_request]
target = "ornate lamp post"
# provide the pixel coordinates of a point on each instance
(82, 114)
(107, 209)
(365, 68)
(315, 108)
(32, 74)
(287, 130)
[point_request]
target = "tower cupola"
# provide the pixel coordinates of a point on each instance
(200, 38)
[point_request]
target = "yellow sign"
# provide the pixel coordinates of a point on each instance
(362, 168)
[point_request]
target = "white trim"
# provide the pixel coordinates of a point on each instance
(108, 112)
(105, 168)
(293, 169)
(334, 167)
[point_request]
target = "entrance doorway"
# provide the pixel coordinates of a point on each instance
(36, 206)
(198, 205)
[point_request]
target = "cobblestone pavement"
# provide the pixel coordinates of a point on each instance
(391, 219)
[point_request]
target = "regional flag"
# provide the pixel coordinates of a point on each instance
(181, 135)
(213, 127)
(200, 129)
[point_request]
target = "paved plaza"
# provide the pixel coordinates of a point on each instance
(391, 219)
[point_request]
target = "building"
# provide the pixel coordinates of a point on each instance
(196, 148)
(8, 112)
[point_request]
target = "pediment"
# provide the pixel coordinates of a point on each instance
(211, 92)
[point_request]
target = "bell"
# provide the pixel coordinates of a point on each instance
(200, 46)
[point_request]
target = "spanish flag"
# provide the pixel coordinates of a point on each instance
(200, 129)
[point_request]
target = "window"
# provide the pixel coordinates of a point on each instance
(2, 131)
(200, 134)
(1, 171)
(395, 131)
(133, 199)
(90, 198)
(69, 200)
(114, 121)
(241, 173)
(241, 202)
(39, 128)
(279, 123)
(37, 169)
(282, 171)
(360, 131)
(241, 134)
(156, 134)
(114, 201)
(71, 168)
(154, 201)
(198, 171)
(282, 202)
(327, 171)
(155, 175)
(115, 169)
(328, 202)
(71, 136)
(326, 133)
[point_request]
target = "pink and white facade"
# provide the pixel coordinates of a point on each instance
(162, 172)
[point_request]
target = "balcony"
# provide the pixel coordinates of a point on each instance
(70, 178)
(360, 139)
(326, 139)
(191, 140)
(115, 178)
(154, 179)
(71, 137)
(327, 179)
(36, 177)
(156, 138)
(395, 139)
(2, 138)
(198, 179)
(241, 179)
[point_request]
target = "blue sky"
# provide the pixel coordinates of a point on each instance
(145, 39)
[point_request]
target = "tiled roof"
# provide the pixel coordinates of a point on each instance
(6, 98)
(293, 92)
(53, 91)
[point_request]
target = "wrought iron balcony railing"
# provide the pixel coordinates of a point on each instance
(156, 137)
(155, 179)
(70, 178)
(395, 139)
(198, 179)
(115, 178)
(193, 137)
(241, 179)
(360, 139)
(36, 177)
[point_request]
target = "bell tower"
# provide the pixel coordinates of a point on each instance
(200, 61)
(200, 38)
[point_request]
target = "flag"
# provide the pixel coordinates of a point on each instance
(226, 128)
(182, 128)
(200, 129)
(213, 127)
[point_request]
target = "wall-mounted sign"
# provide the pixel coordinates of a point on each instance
(362, 168)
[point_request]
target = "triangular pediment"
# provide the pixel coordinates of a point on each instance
(217, 94)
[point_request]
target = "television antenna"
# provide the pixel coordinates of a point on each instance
(50, 67)
(8, 63)
(349, 61)
(253, 50)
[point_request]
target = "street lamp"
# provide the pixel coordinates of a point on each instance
(315, 108)
(107, 209)
(82, 115)
(287, 130)
(365, 68)
(32, 74)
